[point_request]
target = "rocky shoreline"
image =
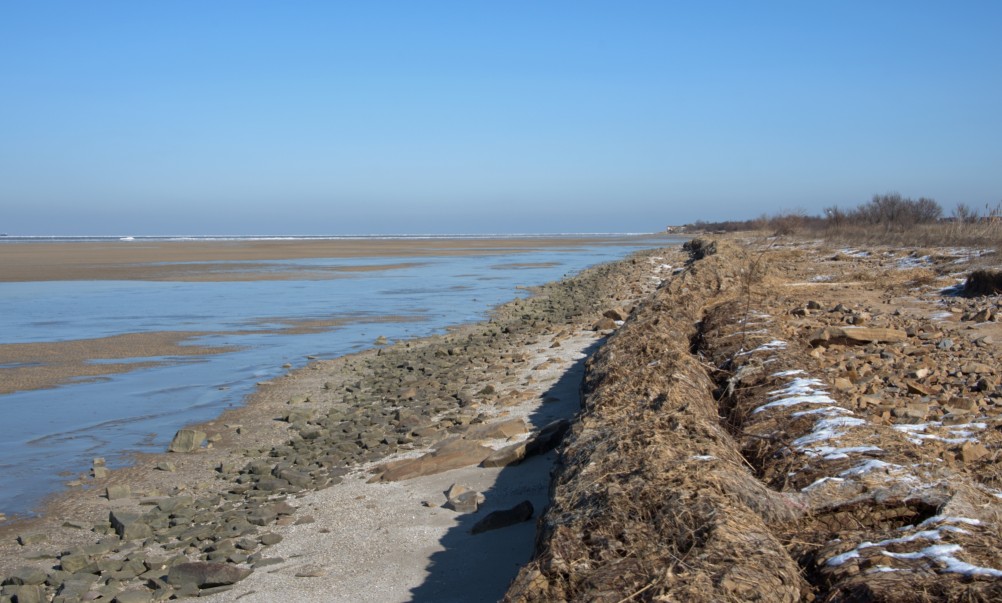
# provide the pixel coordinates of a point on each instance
(767, 420)
(195, 521)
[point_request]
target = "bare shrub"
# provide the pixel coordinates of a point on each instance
(983, 282)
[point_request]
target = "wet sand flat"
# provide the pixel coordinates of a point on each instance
(215, 260)
(41, 365)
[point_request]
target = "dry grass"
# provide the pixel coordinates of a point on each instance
(672, 488)
(985, 235)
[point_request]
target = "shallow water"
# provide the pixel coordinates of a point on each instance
(52, 435)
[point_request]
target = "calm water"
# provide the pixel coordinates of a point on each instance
(52, 435)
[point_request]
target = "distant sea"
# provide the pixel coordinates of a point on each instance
(52, 435)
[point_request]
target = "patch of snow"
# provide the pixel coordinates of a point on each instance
(703, 457)
(840, 559)
(831, 453)
(820, 482)
(775, 344)
(870, 465)
(950, 519)
(816, 398)
(822, 278)
(824, 410)
(789, 373)
(908, 262)
(827, 429)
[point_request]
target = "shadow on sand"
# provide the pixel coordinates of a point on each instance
(480, 568)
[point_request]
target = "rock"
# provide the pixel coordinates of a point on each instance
(501, 519)
(99, 471)
(186, 440)
(842, 384)
(548, 438)
(945, 344)
(381, 340)
(466, 502)
(205, 574)
(855, 336)
(118, 492)
(129, 526)
(29, 539)
(463, 499)
(270, 538)
(27, 576)
(604, 324)
(74, 563)
(492, 431)
(25, 594)
(134, 596)
(918, 389)
(452, 454)
(973, 451)
(509, 455)
(166, 466)
(616, 314)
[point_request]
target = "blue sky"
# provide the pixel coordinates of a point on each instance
(538, 116)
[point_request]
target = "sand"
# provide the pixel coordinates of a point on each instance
(378, 543)
(212, 260)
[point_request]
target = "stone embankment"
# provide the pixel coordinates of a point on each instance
(786, 423)
(198, 520)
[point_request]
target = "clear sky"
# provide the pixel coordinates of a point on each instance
(244, 117)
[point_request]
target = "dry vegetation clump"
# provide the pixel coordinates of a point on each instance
(653, 498)
(983, 282)
(717, 459)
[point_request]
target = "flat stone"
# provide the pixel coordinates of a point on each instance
(26, 575)
(509, 455)
(204, 574)
(270, 538)
(856, 335)
(29, 539)
(452, 454)
(26, 593)
(500, 430)
(129, 526)
(973, 451)
(186, 440)
(134, 596)
(465, 502)
(523, 511)
(548, 438)
(74, 563)
(118, 492)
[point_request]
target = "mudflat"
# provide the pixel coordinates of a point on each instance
(225, 260)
